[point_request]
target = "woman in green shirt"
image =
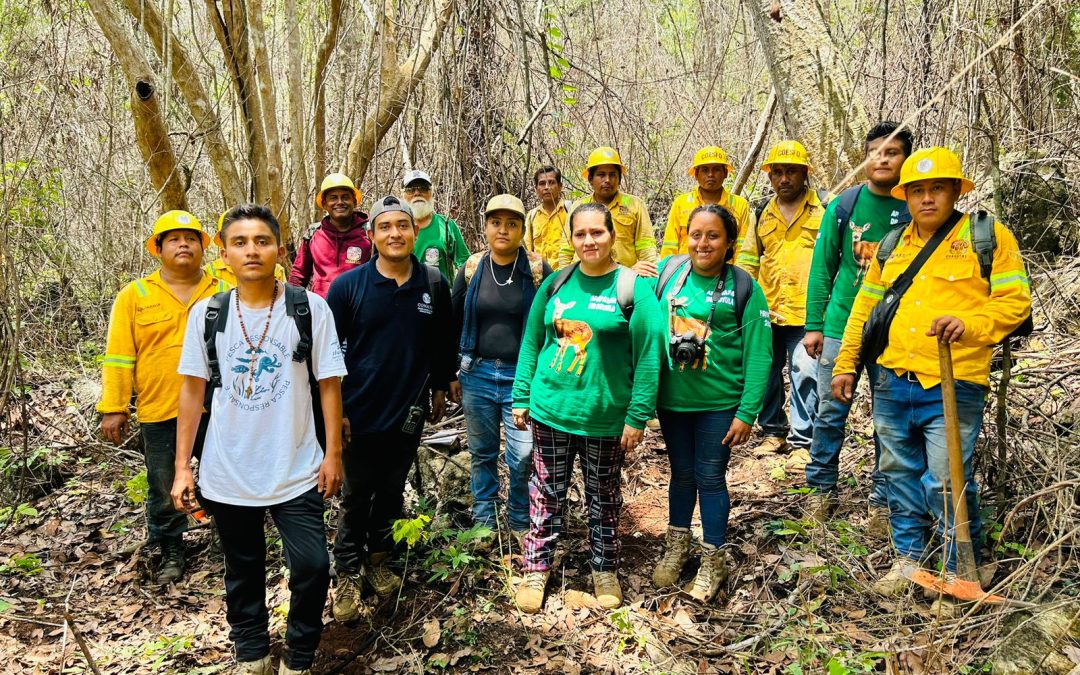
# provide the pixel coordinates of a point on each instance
(587, 376)
(711, 388)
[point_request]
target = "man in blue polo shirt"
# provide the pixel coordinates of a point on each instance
(393, 316)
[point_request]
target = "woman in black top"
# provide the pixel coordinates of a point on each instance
(491, 296)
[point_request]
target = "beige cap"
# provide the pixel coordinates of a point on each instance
(505, 202)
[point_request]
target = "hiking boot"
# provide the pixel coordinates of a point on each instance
(820, 505)
(877, 522)
(606, 589)
(676, 553)
(172, 564)
(895, 584)
(712, 574)
(771, 445)
(348, 605)
(530, 594)
(285, 670)
(260, 667)
(380, 577)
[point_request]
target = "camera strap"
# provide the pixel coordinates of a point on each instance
(680, 281)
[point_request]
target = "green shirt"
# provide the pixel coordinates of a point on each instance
(441, 244)
(737, 363)
(842, 256)
(583, 369)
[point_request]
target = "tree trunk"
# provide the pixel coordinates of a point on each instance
(187, 79)
(301, 187)
(397, 82)
(816, 98)
(322, 62)
(230, 27)
(150, 132)
(270, 137)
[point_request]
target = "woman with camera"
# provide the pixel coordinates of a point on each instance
(587, 376)
(711, 388)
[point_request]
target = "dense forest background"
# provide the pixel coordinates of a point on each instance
(112, 111)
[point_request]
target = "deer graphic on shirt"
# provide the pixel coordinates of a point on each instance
(681, 325)
(570, 333)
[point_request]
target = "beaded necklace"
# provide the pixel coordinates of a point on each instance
(255, 348)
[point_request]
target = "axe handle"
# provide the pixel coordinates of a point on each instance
(965, 554)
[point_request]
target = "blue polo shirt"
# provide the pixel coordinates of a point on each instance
(394, 337)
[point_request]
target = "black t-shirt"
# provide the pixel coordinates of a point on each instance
(499, 312)
(395, 338)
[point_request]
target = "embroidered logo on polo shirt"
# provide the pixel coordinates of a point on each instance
(425, 306)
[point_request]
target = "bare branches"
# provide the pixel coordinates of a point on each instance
(150, 130)
(322, 61)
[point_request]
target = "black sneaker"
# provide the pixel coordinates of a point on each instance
(172, 562)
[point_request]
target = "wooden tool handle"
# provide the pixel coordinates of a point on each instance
(965, 554)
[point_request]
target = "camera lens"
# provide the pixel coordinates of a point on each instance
(684, 354)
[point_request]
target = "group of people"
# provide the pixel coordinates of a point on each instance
(567, 336)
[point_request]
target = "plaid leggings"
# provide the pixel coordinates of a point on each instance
(553, 461)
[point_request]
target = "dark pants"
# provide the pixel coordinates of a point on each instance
(802, 370)
(243, 541)
(699, 460)
(553, 462)
(163, 522)
(376, 468)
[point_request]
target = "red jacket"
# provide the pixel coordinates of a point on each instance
(327, 253)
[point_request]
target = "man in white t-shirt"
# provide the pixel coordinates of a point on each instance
(262, 450)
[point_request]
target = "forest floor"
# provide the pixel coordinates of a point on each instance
(76, 580)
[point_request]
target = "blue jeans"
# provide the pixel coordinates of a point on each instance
(824, 467)
(699, 460)
(910, 422)
(788, 350)
(486, 386)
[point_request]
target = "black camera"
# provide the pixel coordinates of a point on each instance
(686, 348)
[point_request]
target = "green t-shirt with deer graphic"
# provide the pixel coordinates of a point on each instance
(583, 368)
(737, 361)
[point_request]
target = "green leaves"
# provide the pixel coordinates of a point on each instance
(137, 488)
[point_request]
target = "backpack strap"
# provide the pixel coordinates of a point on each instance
(536, 267)
(434, 281)
(561, 277)
(823, 196)
(217, 316)
(312, 229)
(624, 290)
(845, 206)
(984, 241)
(672, 266)
(471, 265)
(888, 245)
(759, 208)
(744, 287)
(299, 308)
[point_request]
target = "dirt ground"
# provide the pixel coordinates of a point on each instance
(798, 602)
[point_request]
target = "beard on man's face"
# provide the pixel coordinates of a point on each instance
(421, 207)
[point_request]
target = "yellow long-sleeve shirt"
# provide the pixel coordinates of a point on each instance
(779, 254)
(635, 238)
(142, 352)
(675, 234)
(950, 283)
(546, 232)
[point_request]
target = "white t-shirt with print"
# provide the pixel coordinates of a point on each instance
(261, 449)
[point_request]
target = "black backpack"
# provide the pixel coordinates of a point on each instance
(744, 284)
(983, 242)
(845, 207)
(297, 307)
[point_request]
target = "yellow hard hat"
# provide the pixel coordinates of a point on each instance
(337, 180)
(505, 202)
(787, 152)
(217, 234)
(709, 155)
(599, 157)
(174, 220)
(928, 164)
